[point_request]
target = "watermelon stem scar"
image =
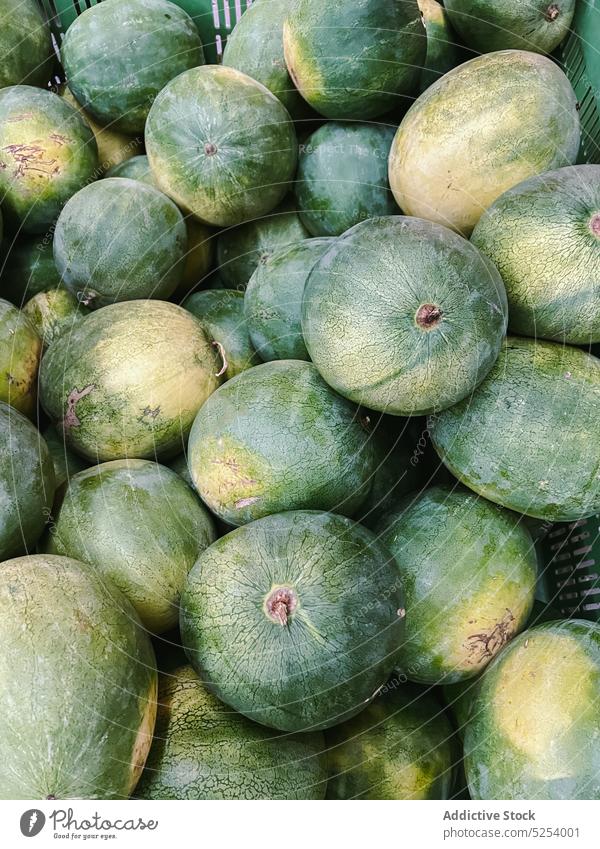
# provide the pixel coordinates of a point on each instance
(428, 316)
(552, 12)
(221, 351)
(280, 603)
(75, 395)
(210, 149)
(595, 224)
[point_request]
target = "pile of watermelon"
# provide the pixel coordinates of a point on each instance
(272, 472)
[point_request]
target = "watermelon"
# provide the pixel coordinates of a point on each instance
(78, 695)
(400, 747)
(20, 352)
(241, 249)
(128, 380)
(443, 52)
(478, 131)
(214, 280)
(221, 145)
(277, 438)
(342, 176)
(222, 313)
(204, 750)
(52, 313)
(200, 242)
(113, 147)
(544, 237)
(470, 573)
(528, 437)
(273, 300)
(119, 54)
(485, 25)
(26, 483)
(65, 462)
(403, 315)
(354, 61)
(180, 466)
(459, 700)
(404, 461)
(26, 268)
(47, 153)
(535, 722)
(255, 47)
(135, 168)
(294, 620)
(198, 258)
(144, 531)
(119, 240)
(25, 44)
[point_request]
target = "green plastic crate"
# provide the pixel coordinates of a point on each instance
(580, 57)
(570, 553)
(570, 556)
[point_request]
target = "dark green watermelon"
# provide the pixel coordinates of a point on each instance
(403, 315)
(221, 311)
(459, 699)
(240, 250)
(144, 531)
(343, 176)
(544, 237)
(200, 239)
(486, 25)
(443, 51)
(470, 572)
(273, 300)
(27, 483)
(400, 747)
(180, 466)
(78, 695)
(354, 60)
(277, 438)
(47, 153)
(214, 280)
(405, 461)
(528, 437)
(66, 463)
(119, 240)
(27, 267)
(25, 44)
(294, 620)
(136, 168)
(221, 145)
(119, 54)
(534, 724)
(204, 750)
(255, 47)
